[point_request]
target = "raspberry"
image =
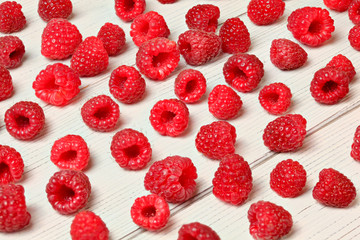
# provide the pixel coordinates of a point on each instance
(355, 147)
(131, 149)
(197, 231)
(148, 26)
(128, 10)
(167, 1)
(265, 12)
(235, 36)
(172, 178)
(354, 11)
(11, 165)
(275, 98)
(100, 113)
(216, 140)
(12, 18)
(288, 178)
(6, 86)
(343, 64)
(59, 39)
(243, 72)
(68, 191)
(113, 38)
(90, 58)
(57, 84)
(13, 213)
(87, 225)
(49, 9)
(354, 36)
(157, 58)
(190, 85)
(287, 55)
(334, 189)
(203, 17)
(329, 85)
(224, 103)
(338, 5)
(126, 84)
(311, 25)
(169, 117)
(12, 51)
(70, 152)
(233, 180)
(268, 220)
(150, 212)
(285, 133)
(24, 120)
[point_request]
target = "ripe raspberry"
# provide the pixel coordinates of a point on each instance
(126, 84)
(12, 51)
(148, 26)
(354, 11)
(199, 47)
(190, 85)
(354, 36)
(268, 220)
(70, 152)
(12, 18)
(197, 231)
(24, 120)
(203, 17)
(224, 103)
(169, 117)
(343, 64)
(49, 9)
(172, 178)
(113, 38)
(338, 5)
(235, 36)
(59, 39)
(131, 149)
(128, 10)
(11, 165)
(265, 12)
(100, 113)
(311, 25)
(157, 58)
(216, 140)
(6, 86)
(68, 191)
(275, 98)
(87, 225)
(167, 1)
(13, 213)
(355, 147)
(243, 72)
(57, 84)
(285, 133)
(288, 178)
(334, 189)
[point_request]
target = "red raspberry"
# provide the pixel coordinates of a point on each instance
(265, 12)
(24, 120)
(275, 98)
(343, 64)
(338, 5)
(126, 84)
(169, 117)
(197, 231)
(13, 213)
(113, 38)
(6, 86)
(70, 152)
(243, 72)
(224, 103)
(285, 133)
(57, 84)
(12, 51)
(12, 18)
(216, 140)
(148, 26)
(354, 11)
(268, 220)
(311, 25)
(11, 165)
(172, 178)
(167, 1)
(354, 36)
(128, 10)
(87, 225)
(157, 58)
(329, 85)
(288, 178)
(203, 17)
(334, 189)
(100, 113)
(49, 9)
(233, 180)
(68, 191)
(190, 85)
(235, 36)
(355, 147)
(59, 39)
(131, 149)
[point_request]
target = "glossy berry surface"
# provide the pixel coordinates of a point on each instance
(12, 18)
(354, 36)
(128, 10)
(203, 17)
(11, 165)
(190, 85)
(6, 85)
(265, 12)
(275, 98)
(198, 231)
(235, 37)
(354, 11)
(88, 225)
(344, 64)
(355, 147)
(338, 5)
(113, 38)
(12, 51)
(49, 9)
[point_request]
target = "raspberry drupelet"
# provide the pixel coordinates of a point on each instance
(235, 37)
(343, 64)
(265, 12)
(275, 98)
(12, 18)
(128, 10)
(338, 5)
(11, 165)
(354, 11)
(113, 38)
(88, 225)
(197, 231)
(49, 9)
(12, 51)
(355, 147)
(203, 17)
(354, 36)
(6, 86)
(167, 1)
(190, 85)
